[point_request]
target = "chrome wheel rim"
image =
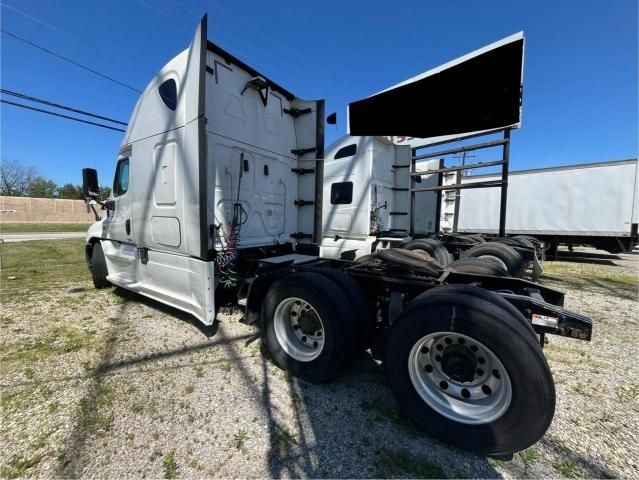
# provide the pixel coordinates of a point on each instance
(299, 329)
(496, 260)
(460, 378)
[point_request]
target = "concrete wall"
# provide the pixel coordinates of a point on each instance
(43, 210)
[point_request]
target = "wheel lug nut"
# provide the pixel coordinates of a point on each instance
(465, 393)
(479, 371)
(448, 340)
(319, 334)
(443, 384)
(496, 373)
(428, 368)
(438, 358)
(474, 348)
(440, 348)
(304, 338)
(486, 389)
(424, 349)
(296, 327)
(315, 344)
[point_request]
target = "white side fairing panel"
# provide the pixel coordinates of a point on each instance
(162, 254)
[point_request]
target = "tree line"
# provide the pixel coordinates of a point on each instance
(18, 180)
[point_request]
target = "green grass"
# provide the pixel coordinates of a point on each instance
(239, 438)
(592, 276)
(41, 264)
(566, 467)
(170, 466)
(43, 227)
(18, 466)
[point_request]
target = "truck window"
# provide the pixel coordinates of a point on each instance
(347, 151)
(121, 182)
(341, 193)
(168, 93)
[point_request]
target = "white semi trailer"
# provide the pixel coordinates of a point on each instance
(594, 204)
(219, 189)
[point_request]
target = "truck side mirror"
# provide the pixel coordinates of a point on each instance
(332, 119)
(90, 186)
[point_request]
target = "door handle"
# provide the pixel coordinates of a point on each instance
(127, 225)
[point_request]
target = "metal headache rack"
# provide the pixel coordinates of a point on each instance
(503, 183)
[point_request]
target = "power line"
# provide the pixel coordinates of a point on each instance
(57, 105)
(49, 112)
(240, 19)
(162, 12)
(28, 42)
(248, 58)
(65, 33)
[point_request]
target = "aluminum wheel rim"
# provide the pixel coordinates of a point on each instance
(479, 400)
(496, 260)
(299, 329)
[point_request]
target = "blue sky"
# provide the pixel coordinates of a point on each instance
(580, 93)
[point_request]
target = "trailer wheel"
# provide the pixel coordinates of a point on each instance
(468, 371)
(480, 266)
(504, 255)
(309, 326)
(364, 314)
(434, 248)
(98, 267)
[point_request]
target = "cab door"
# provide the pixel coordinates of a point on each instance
(120, 224)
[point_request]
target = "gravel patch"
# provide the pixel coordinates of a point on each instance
(109, 384)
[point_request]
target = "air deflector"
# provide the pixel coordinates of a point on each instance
(479, 91)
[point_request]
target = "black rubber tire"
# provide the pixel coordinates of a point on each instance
(482, 294)
(478, 238)
(461, 238)
(511, 242)
(511, 258)
(478, 265)
(524, 242)
(98, 267)
(336, 313)
(533, 394)
(414, 261)
(364, 314)
(434, 248)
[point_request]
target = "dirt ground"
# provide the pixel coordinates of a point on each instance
(109, 384)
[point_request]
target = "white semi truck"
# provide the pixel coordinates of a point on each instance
(219, 188)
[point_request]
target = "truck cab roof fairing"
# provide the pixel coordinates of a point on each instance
(479, 91)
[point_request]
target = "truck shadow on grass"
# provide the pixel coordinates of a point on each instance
(589, 257)
(350, 428)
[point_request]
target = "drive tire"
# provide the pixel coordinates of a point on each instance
(337, 317)
(362, 307)
(480, 266)
(98, 267)
(434, 248)
(457, 312)
(499, 253)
